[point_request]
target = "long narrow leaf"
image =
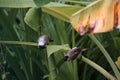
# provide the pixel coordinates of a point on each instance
(61, 11)
(22, 3)
(107, 56)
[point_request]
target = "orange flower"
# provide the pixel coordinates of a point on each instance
(118, 12)
(101, 16)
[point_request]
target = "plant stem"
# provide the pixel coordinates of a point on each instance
(107, 56)
(52, 68)
(98, 68)
(73, 38)
(75, 61)
(19, 42)
(84, 72)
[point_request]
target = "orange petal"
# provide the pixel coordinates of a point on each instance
(118, 12)
(98, 17)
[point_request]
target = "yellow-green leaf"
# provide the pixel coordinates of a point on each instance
(118, 62)
(22, 3)
(61, 11)
(32, 18)
(54, 48)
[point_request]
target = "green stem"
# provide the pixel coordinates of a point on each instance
(98, 68)
(84, 72)
(52, 68)
(75, 70)
(18, 42)
(107, 56)
(86, 66)
(75, 61)
(73, 38)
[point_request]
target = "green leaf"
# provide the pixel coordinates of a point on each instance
(13, 63)
(107, 56)
(84, 3)
(61, 11)
(54, 48)
(6, 23)
(33, 17)
(22, 3)
(116, 42)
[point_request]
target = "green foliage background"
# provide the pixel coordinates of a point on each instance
(25, 62)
